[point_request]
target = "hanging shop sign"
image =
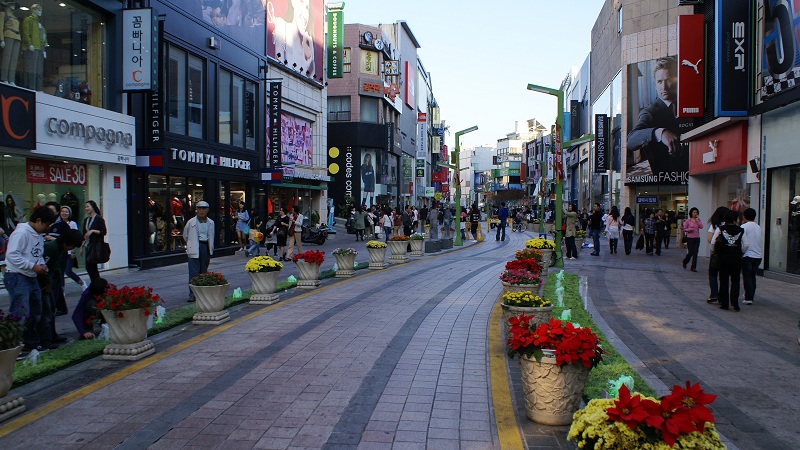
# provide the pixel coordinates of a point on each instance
(335, 36)
(691, 73)
(732, 24)
(18, 114)
(274, 125)
(600, 143)
(41, 171)
(780, 65)
(209, 159)
(139, 49)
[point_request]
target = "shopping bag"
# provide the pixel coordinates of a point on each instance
(640, 242)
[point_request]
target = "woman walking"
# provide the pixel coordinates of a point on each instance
(282, 232)
(94, 231)
(359, 223)
(613, 229)
(572, 217)
(386, 222)
(66, 213)
(397, 221)
(627, 221)
(714, 222)
(242, 220)
(649, 231)
(691, 229)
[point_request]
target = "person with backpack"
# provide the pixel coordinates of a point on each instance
(727, 245)
(715, 221)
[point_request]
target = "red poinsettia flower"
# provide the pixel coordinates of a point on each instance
(628, 409)
(692, 400)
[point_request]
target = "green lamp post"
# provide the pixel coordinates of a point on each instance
(456, 160)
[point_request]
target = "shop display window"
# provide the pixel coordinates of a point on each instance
(784, 224)
(171, 202)
(54, 47)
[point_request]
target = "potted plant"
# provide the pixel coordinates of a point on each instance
(528, 253)
(555, 359)
(263, 272)
(580, 236)
(518, 280)
(514, 304)
(398, 248)
(345, 261)
(209, 289)
(377, 254)
(534, 264)
(545, 246)
(633, 421)
(308, 264)
(416, 241)
(11, 328)
(126, 311)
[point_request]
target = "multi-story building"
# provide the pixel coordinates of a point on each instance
(508, 176)
(476, 164)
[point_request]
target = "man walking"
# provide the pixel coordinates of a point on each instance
(752, 246)
(662, 229)
(199, 234)
(502, 215)
(595, 227)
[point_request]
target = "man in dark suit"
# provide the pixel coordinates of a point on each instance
(656, 130)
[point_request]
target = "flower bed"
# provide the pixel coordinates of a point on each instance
(519, 276)
(571, 344)
(345, 251)
(417, 237)
(528, 253)
(525, 299)
(128, 298)
(540, 243)
(263, 264)
(402, 237)
(209, 279)
(530, 265)
(376, 244)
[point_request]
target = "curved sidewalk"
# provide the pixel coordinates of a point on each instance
(396, 357)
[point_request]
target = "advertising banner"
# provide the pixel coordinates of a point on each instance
(274, 126)
(655, 154)
(54, 172)
(296, 140)
(295, 34)
(139, 50)
(600, 143)
(335, 37)
(732, 63)
(691, 73)
(780, 63)
(410, 82)
(574, 119)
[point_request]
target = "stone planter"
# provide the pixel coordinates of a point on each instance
(416, 247)
(376, 258)
(547, 257)
(10, 404)
(397, 251)
(264, 287)
(346, 264)
(508, 287)
(540, 315)
(552, 393)
(579, 243)
(309, 275)
(128, 335)
(431, 245)
(210, 305)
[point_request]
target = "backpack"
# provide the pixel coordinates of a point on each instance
(729, 242)
(440, 216)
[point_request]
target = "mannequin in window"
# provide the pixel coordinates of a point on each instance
(176, 207)
(41, 199)
(13, 214)
(9, 33)
(69, 199)
(34, 43)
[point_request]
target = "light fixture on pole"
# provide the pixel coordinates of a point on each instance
(556, 149)
(456, 161)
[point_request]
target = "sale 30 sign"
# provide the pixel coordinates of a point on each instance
(42, 171)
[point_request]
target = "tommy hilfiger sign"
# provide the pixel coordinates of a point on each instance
(209, 159)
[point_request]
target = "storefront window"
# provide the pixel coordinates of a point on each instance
(784, 223)
(224, 107)
(185, 87)
(59, 49)
(237, 111)
(171, 201)
(25, 184)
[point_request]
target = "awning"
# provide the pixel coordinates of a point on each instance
(299, 186)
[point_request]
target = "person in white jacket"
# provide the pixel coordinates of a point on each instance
(199, 235)
(24, 261)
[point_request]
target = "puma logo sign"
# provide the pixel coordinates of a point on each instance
(688, 63)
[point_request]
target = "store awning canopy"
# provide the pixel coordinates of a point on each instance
(300, 186)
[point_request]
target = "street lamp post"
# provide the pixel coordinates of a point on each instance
(555, 147)
(457, 163)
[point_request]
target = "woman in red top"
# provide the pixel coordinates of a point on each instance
(691, 228)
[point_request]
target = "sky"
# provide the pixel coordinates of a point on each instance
(481, 57)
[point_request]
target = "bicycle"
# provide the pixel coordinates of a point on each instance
(518, 226)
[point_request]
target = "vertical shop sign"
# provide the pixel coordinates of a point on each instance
(732, 58)
(690, 72)
(600, 143)
(335, 36)
(780, 63)
(139, 49)
(574, 119)
(274, 126)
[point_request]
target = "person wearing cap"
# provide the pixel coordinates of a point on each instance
(199, 235)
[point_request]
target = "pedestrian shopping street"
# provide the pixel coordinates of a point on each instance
(405, 358)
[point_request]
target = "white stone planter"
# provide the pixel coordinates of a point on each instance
(547, 257)
(508, 287)
(552, 392)
(377, 258)
(346, 265)
(128, 335)
(210, 305)
(416, 247)
(10, 404)
(398, 252)
(309, 275)
(264, 287)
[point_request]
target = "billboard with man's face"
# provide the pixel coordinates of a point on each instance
(655, 153)
(296, 33)
(242, 20)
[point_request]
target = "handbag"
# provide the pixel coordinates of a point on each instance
(99, 253)
(640, 242)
